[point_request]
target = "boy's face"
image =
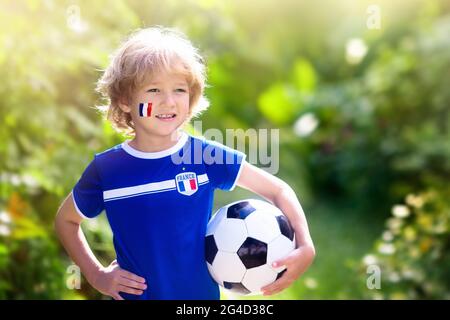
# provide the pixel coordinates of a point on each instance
(161, 105)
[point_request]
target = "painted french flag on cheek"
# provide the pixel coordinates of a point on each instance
(145, 109)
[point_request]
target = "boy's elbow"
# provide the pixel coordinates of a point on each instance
(312, 251)
(309, 250)
(283, 190)
(65, 216)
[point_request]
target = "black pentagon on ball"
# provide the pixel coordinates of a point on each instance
(253, 253)
(210, 248)
(280, 274)
(240, 210)
(236, 287)
(285, 227)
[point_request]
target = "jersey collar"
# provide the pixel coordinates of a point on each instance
(155, 155)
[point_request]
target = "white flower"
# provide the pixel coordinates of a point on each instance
(414, 201)
(387, 236)
(400, 211)
(369, 259)
(4, 230)
(30, 181)
(394, 224)
(355, 50)
(386, 248)
(4, 217)
(394, 277)
(305, 125)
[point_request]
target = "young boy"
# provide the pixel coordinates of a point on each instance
(158, 208)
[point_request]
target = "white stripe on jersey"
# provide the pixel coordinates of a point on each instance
(153, 187)
(202, 178)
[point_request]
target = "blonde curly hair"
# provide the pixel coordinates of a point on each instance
(144, 53)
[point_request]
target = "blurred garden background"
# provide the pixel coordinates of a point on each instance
(360, 91)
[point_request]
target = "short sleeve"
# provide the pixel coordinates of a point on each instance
(88, 194)
(223, 164)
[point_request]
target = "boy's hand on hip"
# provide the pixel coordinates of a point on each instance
(112, 280)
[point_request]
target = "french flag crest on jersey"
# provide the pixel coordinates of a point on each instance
(186, 183)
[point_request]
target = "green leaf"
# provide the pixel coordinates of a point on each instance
(3, 250)
(277, 104)
(304, 75)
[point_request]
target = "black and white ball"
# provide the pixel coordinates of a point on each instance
(242, 240)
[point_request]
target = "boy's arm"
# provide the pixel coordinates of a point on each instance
(283, 196)
(108, 280)
(68, 229)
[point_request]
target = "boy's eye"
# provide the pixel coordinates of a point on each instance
(156, 90)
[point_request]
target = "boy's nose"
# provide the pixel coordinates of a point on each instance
(169, 100)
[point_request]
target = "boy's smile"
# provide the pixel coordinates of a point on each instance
(166, 117)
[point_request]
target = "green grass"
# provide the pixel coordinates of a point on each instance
(342, 236)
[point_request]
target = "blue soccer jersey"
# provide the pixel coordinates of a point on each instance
(158, 205)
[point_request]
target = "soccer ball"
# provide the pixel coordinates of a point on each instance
(242, 240)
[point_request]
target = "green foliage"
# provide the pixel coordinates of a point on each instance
(413, 253)
(276, 104)
(30, 264)
(385, 133)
